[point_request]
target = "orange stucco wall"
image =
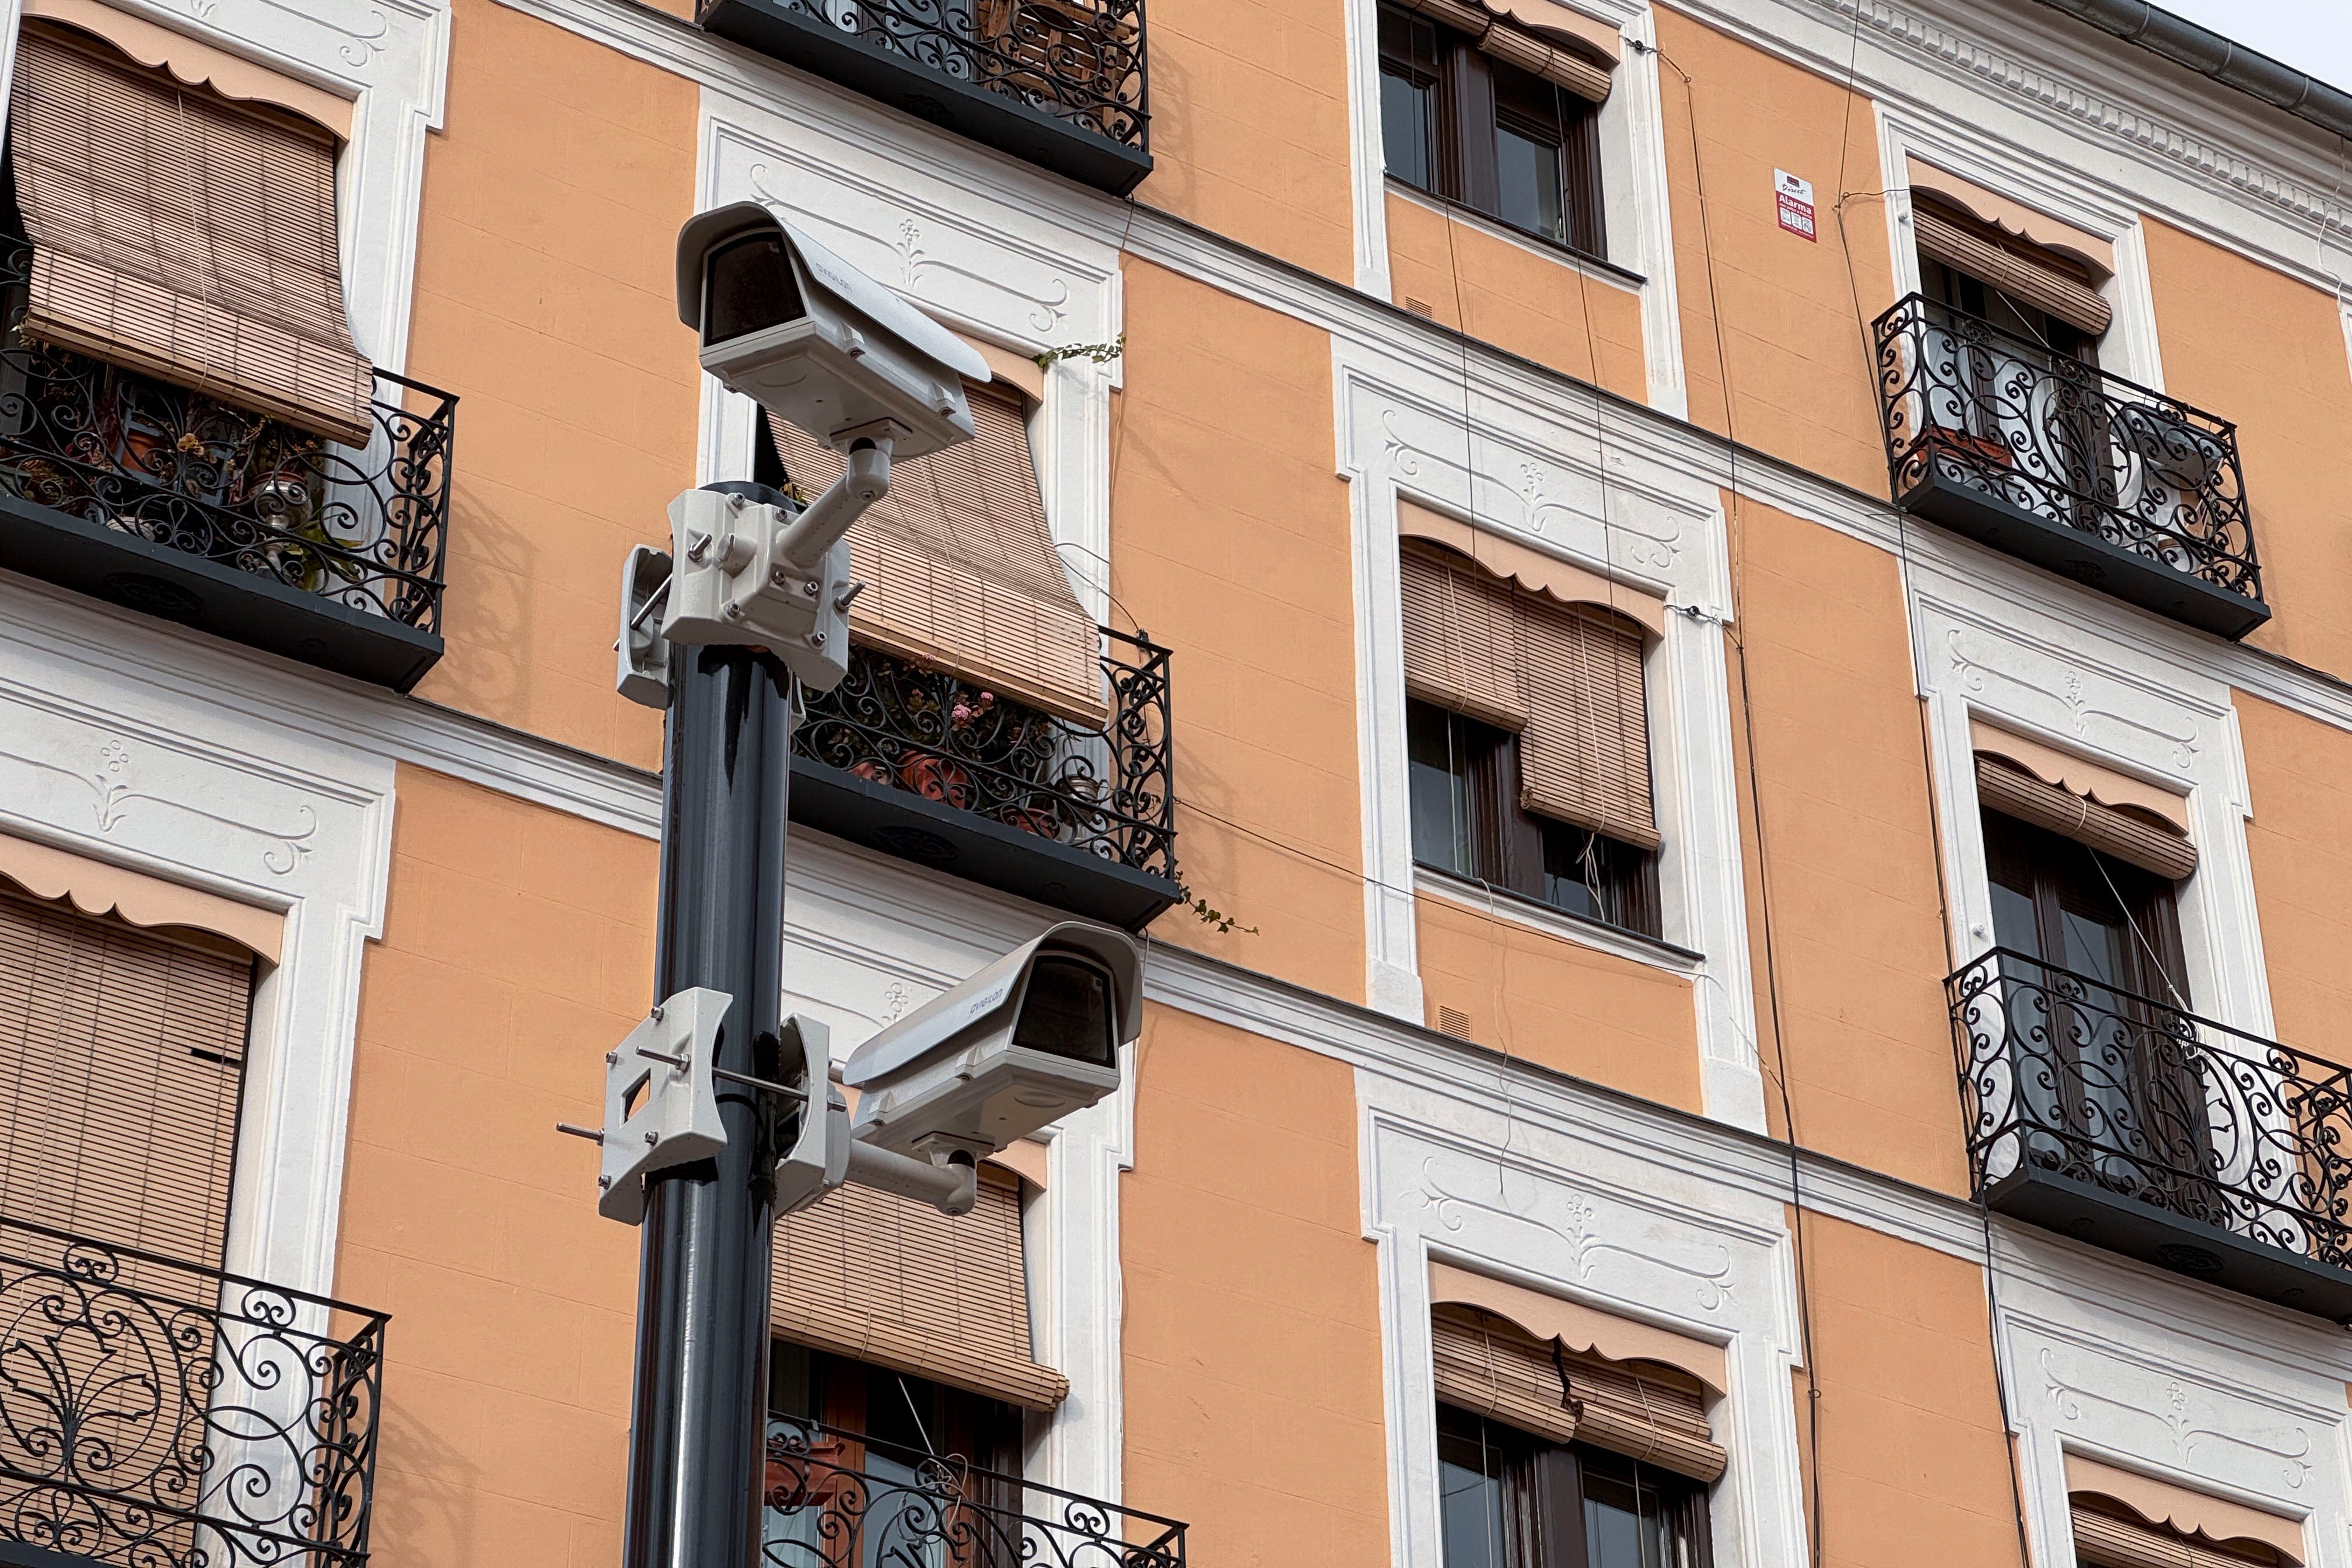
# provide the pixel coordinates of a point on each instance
(1847, 860)
(1913, 1459)
(518, 946)
(1249, 125)
(1561, 1005)
(1791, 338)
(2300, 775)
(1517, 298)
(2256, 347)
(1232, 547)
(553, 199)
(1252, 1348)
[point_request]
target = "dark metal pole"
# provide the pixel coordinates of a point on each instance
(698, 1419)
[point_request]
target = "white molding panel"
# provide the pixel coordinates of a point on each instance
(2164, 1386)
(1568, 1216)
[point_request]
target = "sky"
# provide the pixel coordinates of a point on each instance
(2312, 36)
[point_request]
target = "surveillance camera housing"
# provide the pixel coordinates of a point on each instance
(1027, 1040)
(814, 341)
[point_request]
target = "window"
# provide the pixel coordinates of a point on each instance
(1508, 1499)
(1466, 820)
(870, 1466)
(1537, 1446)
(1501, 120)
(2091, 973)
(182, 235)
(1526, 740)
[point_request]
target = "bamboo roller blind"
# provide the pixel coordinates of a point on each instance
(2131, 839)
(886, 1279)
(2011, 267)
(121, 1055)
(1489, 1364)
(182, 236)
(1567, 677)
(2104, 1536)
(1518, 46)
(958, 564)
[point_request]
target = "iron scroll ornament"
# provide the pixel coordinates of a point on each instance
(154, 1414)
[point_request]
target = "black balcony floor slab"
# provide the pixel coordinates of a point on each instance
(2085, 557)
(2186, 1247)
(240, 606)
(784, 31)
(948, 838)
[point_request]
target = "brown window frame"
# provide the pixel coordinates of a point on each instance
(1544, 1487)
(1517, 851)
(1474, 95)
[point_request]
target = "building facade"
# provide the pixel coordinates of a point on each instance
(1709, 640)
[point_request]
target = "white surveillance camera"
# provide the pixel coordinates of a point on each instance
(814, 341)
(1028, 1039)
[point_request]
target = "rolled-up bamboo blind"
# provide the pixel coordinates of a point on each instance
(120, 1057)
(1461, 638)
(1518, 46)
(960, 566)
(183, 235)
(1567, 677)
(1656, 1414)
(2105, 1536)
(1490, 1365)
(886, 1279)
(2132, 839)
(2013, 268)
(1487, 1364)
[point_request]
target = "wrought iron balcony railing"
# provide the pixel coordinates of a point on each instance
(1060, 82)
(358, 534)
(835, 1500)
(2137, 1124)
(2051, 458)
(1104, 791)
(155, 1414)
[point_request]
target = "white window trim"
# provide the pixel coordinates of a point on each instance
(1530, 466)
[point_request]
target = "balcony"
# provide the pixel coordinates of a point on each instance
(158, 1415)
(176, 504)
(2055, 462)
(835, 1500)
(930, 767)
(2141, 1128)
(1057, 82)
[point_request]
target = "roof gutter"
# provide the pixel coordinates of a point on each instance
(2210, 54)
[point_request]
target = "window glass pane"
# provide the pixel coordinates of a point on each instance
(1573, 876)
(1440, 814)
(1470, 1491)
(1527, 171)
(1405, 108)
(1625, 1524)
